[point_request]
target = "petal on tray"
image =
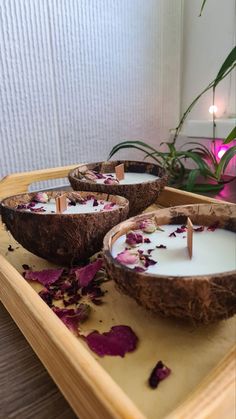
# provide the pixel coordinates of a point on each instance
(45, 277)
(117, 342)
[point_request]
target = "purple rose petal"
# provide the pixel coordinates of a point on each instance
(45, 277)
(161, 246)
(110, 181)
(133, 238)
(199, 229)
(213, 227)
(159, 373)
(72, 317)
(117, 342)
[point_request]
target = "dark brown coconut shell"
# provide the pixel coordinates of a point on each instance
(140, 195)
(61, 238)
(200, 299)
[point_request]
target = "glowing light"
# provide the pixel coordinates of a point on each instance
(222, 151)
(213, 109)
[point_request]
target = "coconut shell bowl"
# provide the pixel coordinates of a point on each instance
(155, 267)
(144, 181)
(67, 237)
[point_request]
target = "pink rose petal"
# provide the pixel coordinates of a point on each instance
(86, 274)
(128, 257)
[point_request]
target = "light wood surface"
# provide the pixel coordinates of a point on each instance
(17, 183)
(112, 387)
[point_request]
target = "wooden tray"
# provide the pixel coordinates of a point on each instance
(202, 383)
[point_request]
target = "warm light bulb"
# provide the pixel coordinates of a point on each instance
(222, 151)
(213, 109)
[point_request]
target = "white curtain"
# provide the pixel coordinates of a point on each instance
(78, 76)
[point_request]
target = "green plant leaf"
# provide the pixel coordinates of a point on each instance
(224, 161)
(202, 165)
(202, 7)
(231, 136)
(204, 148)
(122, 146)
(118, 146)
(227, 64)
(192, 177)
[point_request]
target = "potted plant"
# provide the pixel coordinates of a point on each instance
(209, 171)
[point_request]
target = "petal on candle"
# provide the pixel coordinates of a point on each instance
(128, 257)
(133, 238)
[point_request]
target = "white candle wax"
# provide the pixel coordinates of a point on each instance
(130, 178)
(50, 207)
(213, 252)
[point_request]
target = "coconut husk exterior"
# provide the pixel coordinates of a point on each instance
(140, 195)
(200, 299)
(61, 238)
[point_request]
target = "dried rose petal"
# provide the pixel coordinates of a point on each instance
(86, 274)
(117, 342)
(180, 230)
(172, 234)
(213, 227)
(148, 226)
(159, 373)
(90, 175)
(150, 251)
(100, 176)
(110, 181)
(46, 297)
(73, 317)
(199, 229)
(21, 206)
(161, 246)
(109, 206)
(31, 205)
(133, 239)
(128, 257)
(147, 240)
(45, 277)
(147, 261)
(41, 197)
(41, 209)
(95, 203)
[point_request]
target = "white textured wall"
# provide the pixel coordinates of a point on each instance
(77, 76)
(207, 41)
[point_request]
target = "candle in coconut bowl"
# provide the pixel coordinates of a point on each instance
(139, 182)
(63, 227)
(150, 259)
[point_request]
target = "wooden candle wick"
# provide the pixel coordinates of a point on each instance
(120, 171)
(61, 204)
(190, 237)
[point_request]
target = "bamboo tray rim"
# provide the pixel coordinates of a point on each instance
(108, 399)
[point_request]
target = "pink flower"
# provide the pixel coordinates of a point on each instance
(41, 197)
(128, 257)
